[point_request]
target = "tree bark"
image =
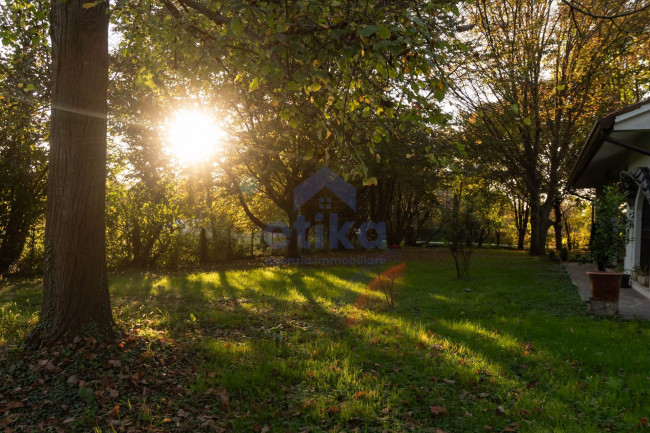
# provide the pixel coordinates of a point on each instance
(557, 225)
(539, 219)
(483, 234)
(567, 230)
(522, 213)
(75, 287)
(539, 225)
(293, 250)
(536, 246)
(521, 238)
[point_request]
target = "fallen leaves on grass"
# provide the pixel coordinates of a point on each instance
(87, 384)
(438, 411)
(334, 410)
(114, 412)
(15, 405)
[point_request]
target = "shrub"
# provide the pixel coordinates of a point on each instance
(459, 223)
(610, 228)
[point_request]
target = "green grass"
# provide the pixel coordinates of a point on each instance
(311, 347)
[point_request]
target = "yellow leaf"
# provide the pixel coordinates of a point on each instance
(89, 5)
(370, 181)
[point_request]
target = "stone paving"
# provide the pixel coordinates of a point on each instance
(632, 304)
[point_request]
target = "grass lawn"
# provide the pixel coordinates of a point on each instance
(312, 350)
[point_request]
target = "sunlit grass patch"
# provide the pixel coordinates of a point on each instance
(12, 325)
(19, 308)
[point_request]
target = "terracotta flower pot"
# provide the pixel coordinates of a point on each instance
(605, 286)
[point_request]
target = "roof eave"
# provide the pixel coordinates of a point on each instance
(601, 129)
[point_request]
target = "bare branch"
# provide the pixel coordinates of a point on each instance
(587, 12)
(465, 28)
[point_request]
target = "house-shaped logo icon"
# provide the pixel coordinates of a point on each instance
(325, 178)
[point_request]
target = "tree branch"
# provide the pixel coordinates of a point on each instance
(214, 16)
(585, 11)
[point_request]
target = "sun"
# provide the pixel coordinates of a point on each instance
(193, 136)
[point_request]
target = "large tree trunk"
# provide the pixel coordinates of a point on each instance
(557, 228)
(411, 237)
(557, 225)
(521, 213)
(75, 292)
(539, 225)
(567, 230)
(521, 238)
(483, 234)
(293, 250)
(534, 207)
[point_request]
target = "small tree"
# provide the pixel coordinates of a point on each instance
(459, 225)
(386, 279)
(610, 227)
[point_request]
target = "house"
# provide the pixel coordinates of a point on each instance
(618, 149)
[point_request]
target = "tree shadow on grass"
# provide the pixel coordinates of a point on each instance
(281, 336)
(535, 330)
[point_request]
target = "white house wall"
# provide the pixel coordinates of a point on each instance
(633, 248)
(636, 160)
(636, 120)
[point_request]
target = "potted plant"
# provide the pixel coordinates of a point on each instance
(610, 236)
